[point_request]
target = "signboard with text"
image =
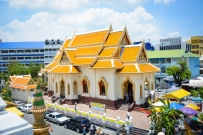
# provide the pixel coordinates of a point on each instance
(98, 106)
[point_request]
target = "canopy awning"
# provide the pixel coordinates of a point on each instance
(14, 110)
(178, 94)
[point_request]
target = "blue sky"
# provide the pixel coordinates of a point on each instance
(37, 20)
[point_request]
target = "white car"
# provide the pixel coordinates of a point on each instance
(26, 108)
(57, 118)
(19, 103)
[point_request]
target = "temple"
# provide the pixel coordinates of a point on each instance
(101, 66)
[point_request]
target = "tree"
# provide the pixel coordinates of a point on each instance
(197, 93)
(166, 118)
(34, 69)
(6, 93)
(179, 72)
(16, 68)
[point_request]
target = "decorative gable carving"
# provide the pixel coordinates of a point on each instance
(142, 56)
(64, 58)
(125, 40)
(117, 53)
(31, 82)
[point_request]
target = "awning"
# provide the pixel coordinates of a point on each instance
(178, 94)
(14, 110)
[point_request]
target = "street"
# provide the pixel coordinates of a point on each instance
(60, 130)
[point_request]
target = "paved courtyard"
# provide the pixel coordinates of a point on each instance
(140, 120)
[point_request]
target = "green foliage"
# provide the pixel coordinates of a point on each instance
(179, 72)
(6, 94)
(166, 118)
(197, 93)
(16, 68)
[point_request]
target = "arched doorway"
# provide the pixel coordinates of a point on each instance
(128, 92)
(62, 87)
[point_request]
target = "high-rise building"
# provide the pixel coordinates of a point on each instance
(23, 52)
(148, 45)
(50, 49)
(197, 45)
(170, 43)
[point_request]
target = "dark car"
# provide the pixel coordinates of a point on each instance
(77, 124)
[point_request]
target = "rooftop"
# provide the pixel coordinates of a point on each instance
(23, 45)
(170, 54)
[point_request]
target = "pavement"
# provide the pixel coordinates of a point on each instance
(60, 130)
(140, 120)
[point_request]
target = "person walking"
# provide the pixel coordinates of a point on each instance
(50, 129)
(84, 131)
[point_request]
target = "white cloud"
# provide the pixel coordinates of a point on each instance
(49, 4)
(140, 24)
(173, 34)
(164, 1)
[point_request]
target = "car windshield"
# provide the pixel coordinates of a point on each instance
(85, 122)
(29, 106)
(18, 102)
(59, 116)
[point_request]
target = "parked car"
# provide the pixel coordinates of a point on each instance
(19, 103)
(26, 108)
(47, 112)
(77, 124)
(57, 118)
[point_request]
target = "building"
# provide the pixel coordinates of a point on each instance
(22, 87)
(148, 45)
(197, 45)
(102, 67)
(170, 43)
(41, 52)
(50, 49)
(12, 124)
(23, 52)
(166, 58)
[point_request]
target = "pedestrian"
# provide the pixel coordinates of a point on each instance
(50, 129)
(84, 131)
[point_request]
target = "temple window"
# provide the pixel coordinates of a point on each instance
(56, 87)
(68, 89)
(75, 88)
(85, 88)
(140, 92)
(102, 88)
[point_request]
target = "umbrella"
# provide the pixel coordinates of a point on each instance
(197, 99)
(175, 105)
(158, 104)
(188, 111)
(192, 106)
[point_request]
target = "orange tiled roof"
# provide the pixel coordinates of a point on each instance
(83, 61)
(89, 38)
(46, 70)
(147, 68)
(58, 56)
(103, 64)
(108, 64)
(117, 63)
(88, 50)
(130, 53)
(52, 65)
(71, 54)
(129, 69)
(113, 38)
(64, 69)
(107, 52)
(31, 86)
(22, 81)
(27, 76)
(23, 86)
(65, 45)
(12, 78)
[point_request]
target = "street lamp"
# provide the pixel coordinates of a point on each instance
(75, 105)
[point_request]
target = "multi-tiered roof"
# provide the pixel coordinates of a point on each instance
(103, 49)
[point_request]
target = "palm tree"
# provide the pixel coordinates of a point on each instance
(166, 118)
